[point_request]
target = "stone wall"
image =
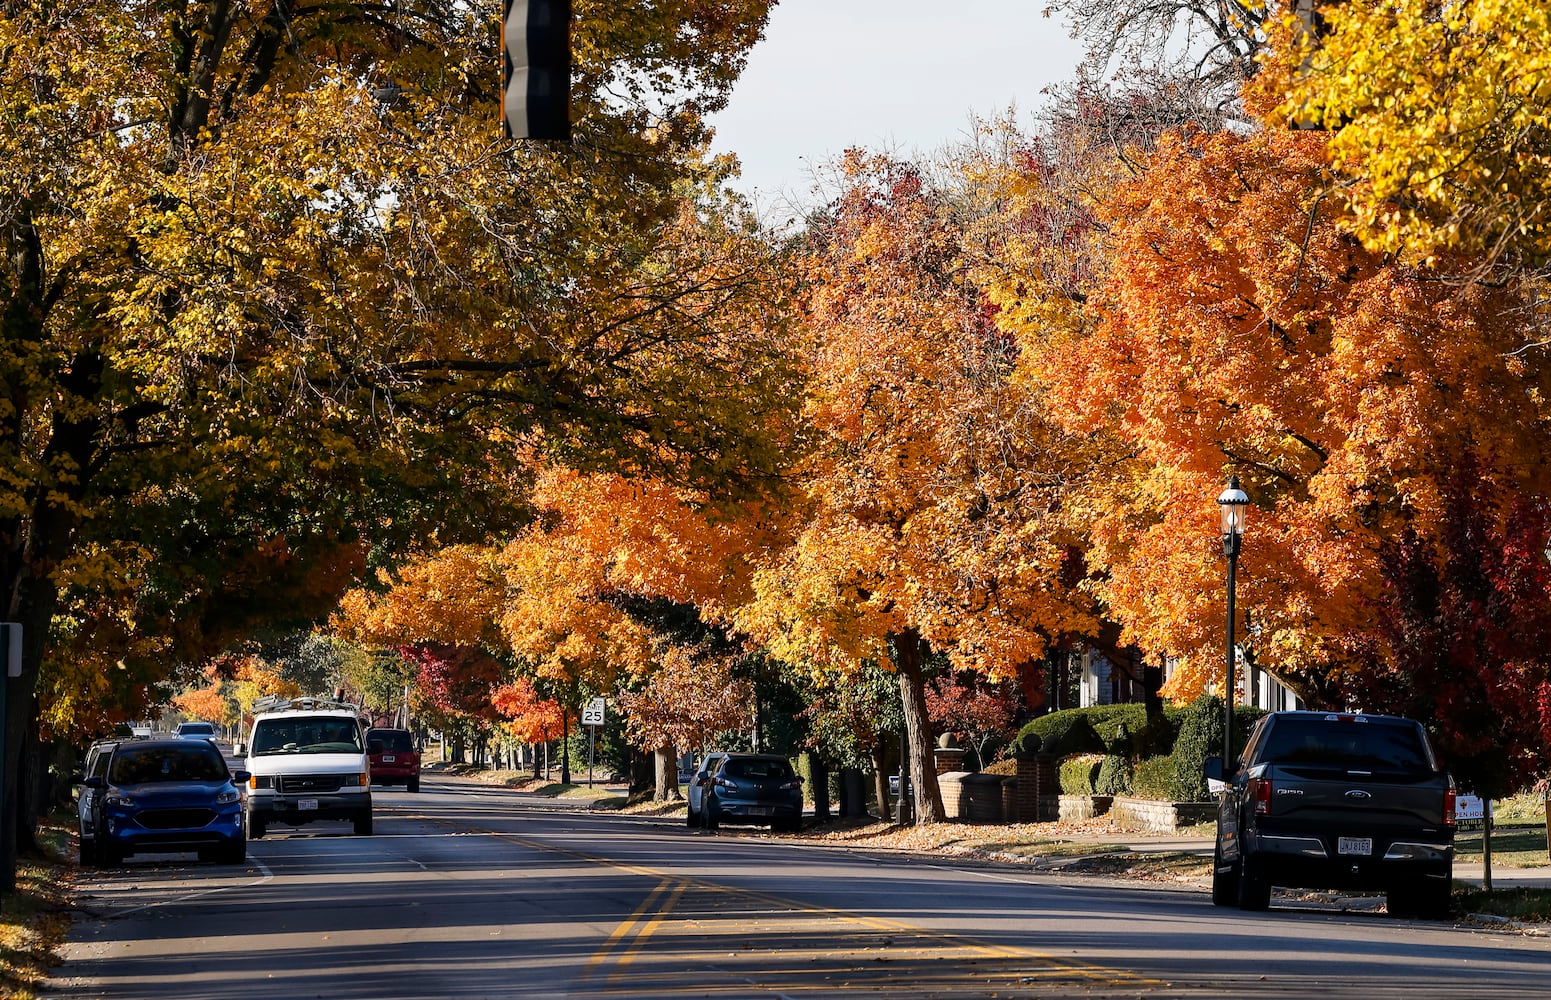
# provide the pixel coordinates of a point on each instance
(1154, 816)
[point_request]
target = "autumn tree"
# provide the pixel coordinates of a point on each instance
(928, 521)
(271, 277)
(691, 696)
(972, 708)
(1240, 327)
(1440, 123)
(527, 715)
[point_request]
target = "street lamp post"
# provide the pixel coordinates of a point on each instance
(1233, 502)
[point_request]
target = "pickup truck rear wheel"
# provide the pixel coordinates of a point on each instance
(1254, 886)
(1225, 880)
(1427, 898)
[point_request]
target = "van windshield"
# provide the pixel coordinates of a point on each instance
(306, 734)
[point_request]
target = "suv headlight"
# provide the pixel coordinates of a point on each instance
(227, 798)
(116, 801)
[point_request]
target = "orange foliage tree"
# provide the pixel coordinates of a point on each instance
(555, 604)
(1238, 327)
(929, 516)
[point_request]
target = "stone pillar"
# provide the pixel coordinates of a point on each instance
(948, 759)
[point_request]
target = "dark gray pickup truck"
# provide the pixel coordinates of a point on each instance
(1335, 801)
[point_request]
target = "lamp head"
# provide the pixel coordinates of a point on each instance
(1234, 503)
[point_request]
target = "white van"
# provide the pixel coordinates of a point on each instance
(307, 761)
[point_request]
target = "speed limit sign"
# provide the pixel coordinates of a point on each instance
(592, 713)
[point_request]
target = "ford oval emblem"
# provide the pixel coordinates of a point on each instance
(1358, 793)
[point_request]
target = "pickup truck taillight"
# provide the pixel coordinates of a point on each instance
(1259, 791)
(1448, 808)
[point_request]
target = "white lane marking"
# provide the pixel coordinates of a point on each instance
(268, 876)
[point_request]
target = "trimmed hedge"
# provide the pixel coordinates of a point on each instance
(1079, 774)
(1061, 733)
(1093, 730)
(1114, 775)
(1153, 778)
(1200, 737)
(1118, 750)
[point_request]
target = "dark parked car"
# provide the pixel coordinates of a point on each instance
(166, 795)
(754, 788)
(1335, 801)
(394, 758)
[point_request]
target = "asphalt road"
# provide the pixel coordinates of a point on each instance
(468, 891)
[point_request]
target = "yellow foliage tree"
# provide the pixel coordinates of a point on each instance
(1439, 119)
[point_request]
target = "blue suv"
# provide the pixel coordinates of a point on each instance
(167, 795)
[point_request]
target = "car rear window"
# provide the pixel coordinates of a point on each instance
(757, 769)
(140, 765)
(392, 740)
(197, 729)
(1351, 745)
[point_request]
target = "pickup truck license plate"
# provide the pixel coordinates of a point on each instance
(1355, 845)
(306, 805)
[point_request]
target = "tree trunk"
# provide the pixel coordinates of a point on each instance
(880, 783)
(912, 692)
(643, 775)
(667, 775)
(820, 790)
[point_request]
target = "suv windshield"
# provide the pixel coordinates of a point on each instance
(1347, 745)
(139, 765)
(306, 734)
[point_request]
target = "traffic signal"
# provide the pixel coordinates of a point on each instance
(536, 91)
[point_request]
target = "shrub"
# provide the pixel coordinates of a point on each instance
(1062, 733)
(1006, 766)
(1153, 778)
(1114, 775)
(1079, 773)
(1200, 736)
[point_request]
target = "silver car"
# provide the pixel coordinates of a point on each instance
(96, 766)
(698, 782)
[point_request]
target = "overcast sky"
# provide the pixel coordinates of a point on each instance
(904, 75)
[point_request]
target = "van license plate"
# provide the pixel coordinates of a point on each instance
(1355, 845)
(388, 758)
(306, 805)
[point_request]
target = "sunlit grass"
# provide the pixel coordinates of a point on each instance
(1512, 846)
(1529, 905)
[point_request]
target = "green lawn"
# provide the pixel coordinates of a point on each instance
(1512, 846)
